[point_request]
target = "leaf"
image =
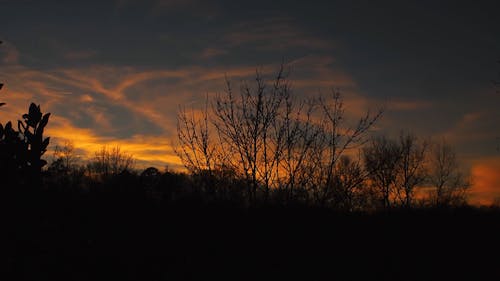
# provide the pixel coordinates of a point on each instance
(20, 125)
(34, 115)
(29, 136)
(33, 109)
(45, 120)
(45, 143)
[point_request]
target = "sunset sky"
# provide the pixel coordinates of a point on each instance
(116, 72)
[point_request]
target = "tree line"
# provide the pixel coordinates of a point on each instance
(259, 144)
(291, 150)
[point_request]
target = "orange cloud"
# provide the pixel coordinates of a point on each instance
(83, 100)
(209, 53)
(486, 180)
(9, 53)
(147, 150)
(408, 105)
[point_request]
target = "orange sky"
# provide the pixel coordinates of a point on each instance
(111, 86)
(486, 180)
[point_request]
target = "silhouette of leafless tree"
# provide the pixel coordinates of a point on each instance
(381, 159)
(110, 162)
(411, 170)
(448, 182)
(276, 143)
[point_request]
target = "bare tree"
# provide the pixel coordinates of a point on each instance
(110, 162)
(411, 171)
(381, 159)
(64, 169)
(449, 183)
(271, 140)
(337, 137)
(65, 156)
(294, 141)
(238, 134)
(349, 182)
(244, 124)
(196, 147)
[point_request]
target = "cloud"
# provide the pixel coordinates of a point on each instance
(86, 98)
(274, 34)
(158, 8)
(408, 105)
(80, 55)
(173, 4)
(9, 54)
(209, 53)
(319, 72)
(147, 150)
(84, 103)
(486, 180)
(136, 107)
(474, 130)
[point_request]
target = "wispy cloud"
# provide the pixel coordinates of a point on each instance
(408, 105)
(209, 53)
(471, 127)
(274, 34)
(80, 55)
(103, 104)
(158, 8)
(9, 54)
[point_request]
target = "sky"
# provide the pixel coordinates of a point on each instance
(116, 71)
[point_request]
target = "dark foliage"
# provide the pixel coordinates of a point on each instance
(21, 150)
(124, 235)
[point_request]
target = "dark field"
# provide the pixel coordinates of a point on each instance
(54, 235)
